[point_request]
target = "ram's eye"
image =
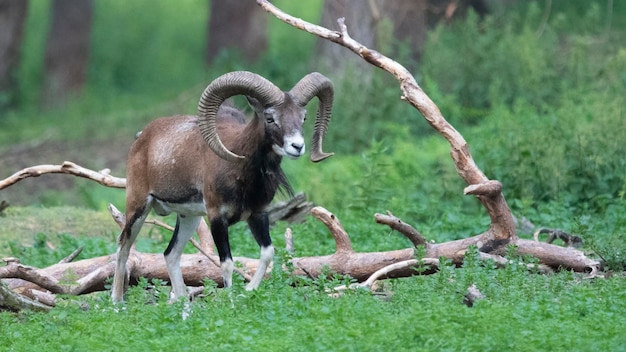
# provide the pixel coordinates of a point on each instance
(269, 118)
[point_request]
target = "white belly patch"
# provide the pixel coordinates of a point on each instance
(187, 209)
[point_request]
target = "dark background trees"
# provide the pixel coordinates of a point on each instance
(236, 28)
(398, 27)
(67, 51)
(12, 16)
(236, 25)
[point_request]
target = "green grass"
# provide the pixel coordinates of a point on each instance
(28, 229)
(521, 311)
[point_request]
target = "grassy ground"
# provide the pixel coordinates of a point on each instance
(521, 312)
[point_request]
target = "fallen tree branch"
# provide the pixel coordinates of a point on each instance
(396, 224)
(203, 232)
(502, 228)
(102, 177)
(14, 269)
(90, 274)
(342, 240)
(10, 300)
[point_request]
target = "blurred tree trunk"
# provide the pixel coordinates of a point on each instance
(362, 22)
(377, 24)
(238, 25)
(408, 18)
(12, 18)
(444, 11)
(387, 24)
(67, 51)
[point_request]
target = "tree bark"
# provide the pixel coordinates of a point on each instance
(67, 51)
(12, 18)
(237, 25)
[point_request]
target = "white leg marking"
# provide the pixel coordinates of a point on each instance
(227, 267)
(186, 228)
(120, 278)
(267, 255)
(186, 313)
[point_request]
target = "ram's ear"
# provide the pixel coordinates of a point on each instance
(255, 104)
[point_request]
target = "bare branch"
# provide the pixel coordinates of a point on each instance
(342, 240)
(490, 188)
(72, 255)
(205, 237)
(502, 230)
(396, 224)
(554, 234)
(68, 167)
(117, 215)
(46, 297)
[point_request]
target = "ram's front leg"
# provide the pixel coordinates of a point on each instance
(259, 225)
(219, 230)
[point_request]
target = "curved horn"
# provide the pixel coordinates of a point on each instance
(316, 85)
(224, 87)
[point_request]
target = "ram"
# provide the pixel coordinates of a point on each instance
(218, 165)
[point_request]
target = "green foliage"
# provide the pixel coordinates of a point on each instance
(543, 94)
(43, 252)
(366, 108)
(369, 188)
(569, 152)
(500, 60)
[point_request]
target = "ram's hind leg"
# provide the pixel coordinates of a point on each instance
(185, 227)
(134, 221)
(259, 225)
